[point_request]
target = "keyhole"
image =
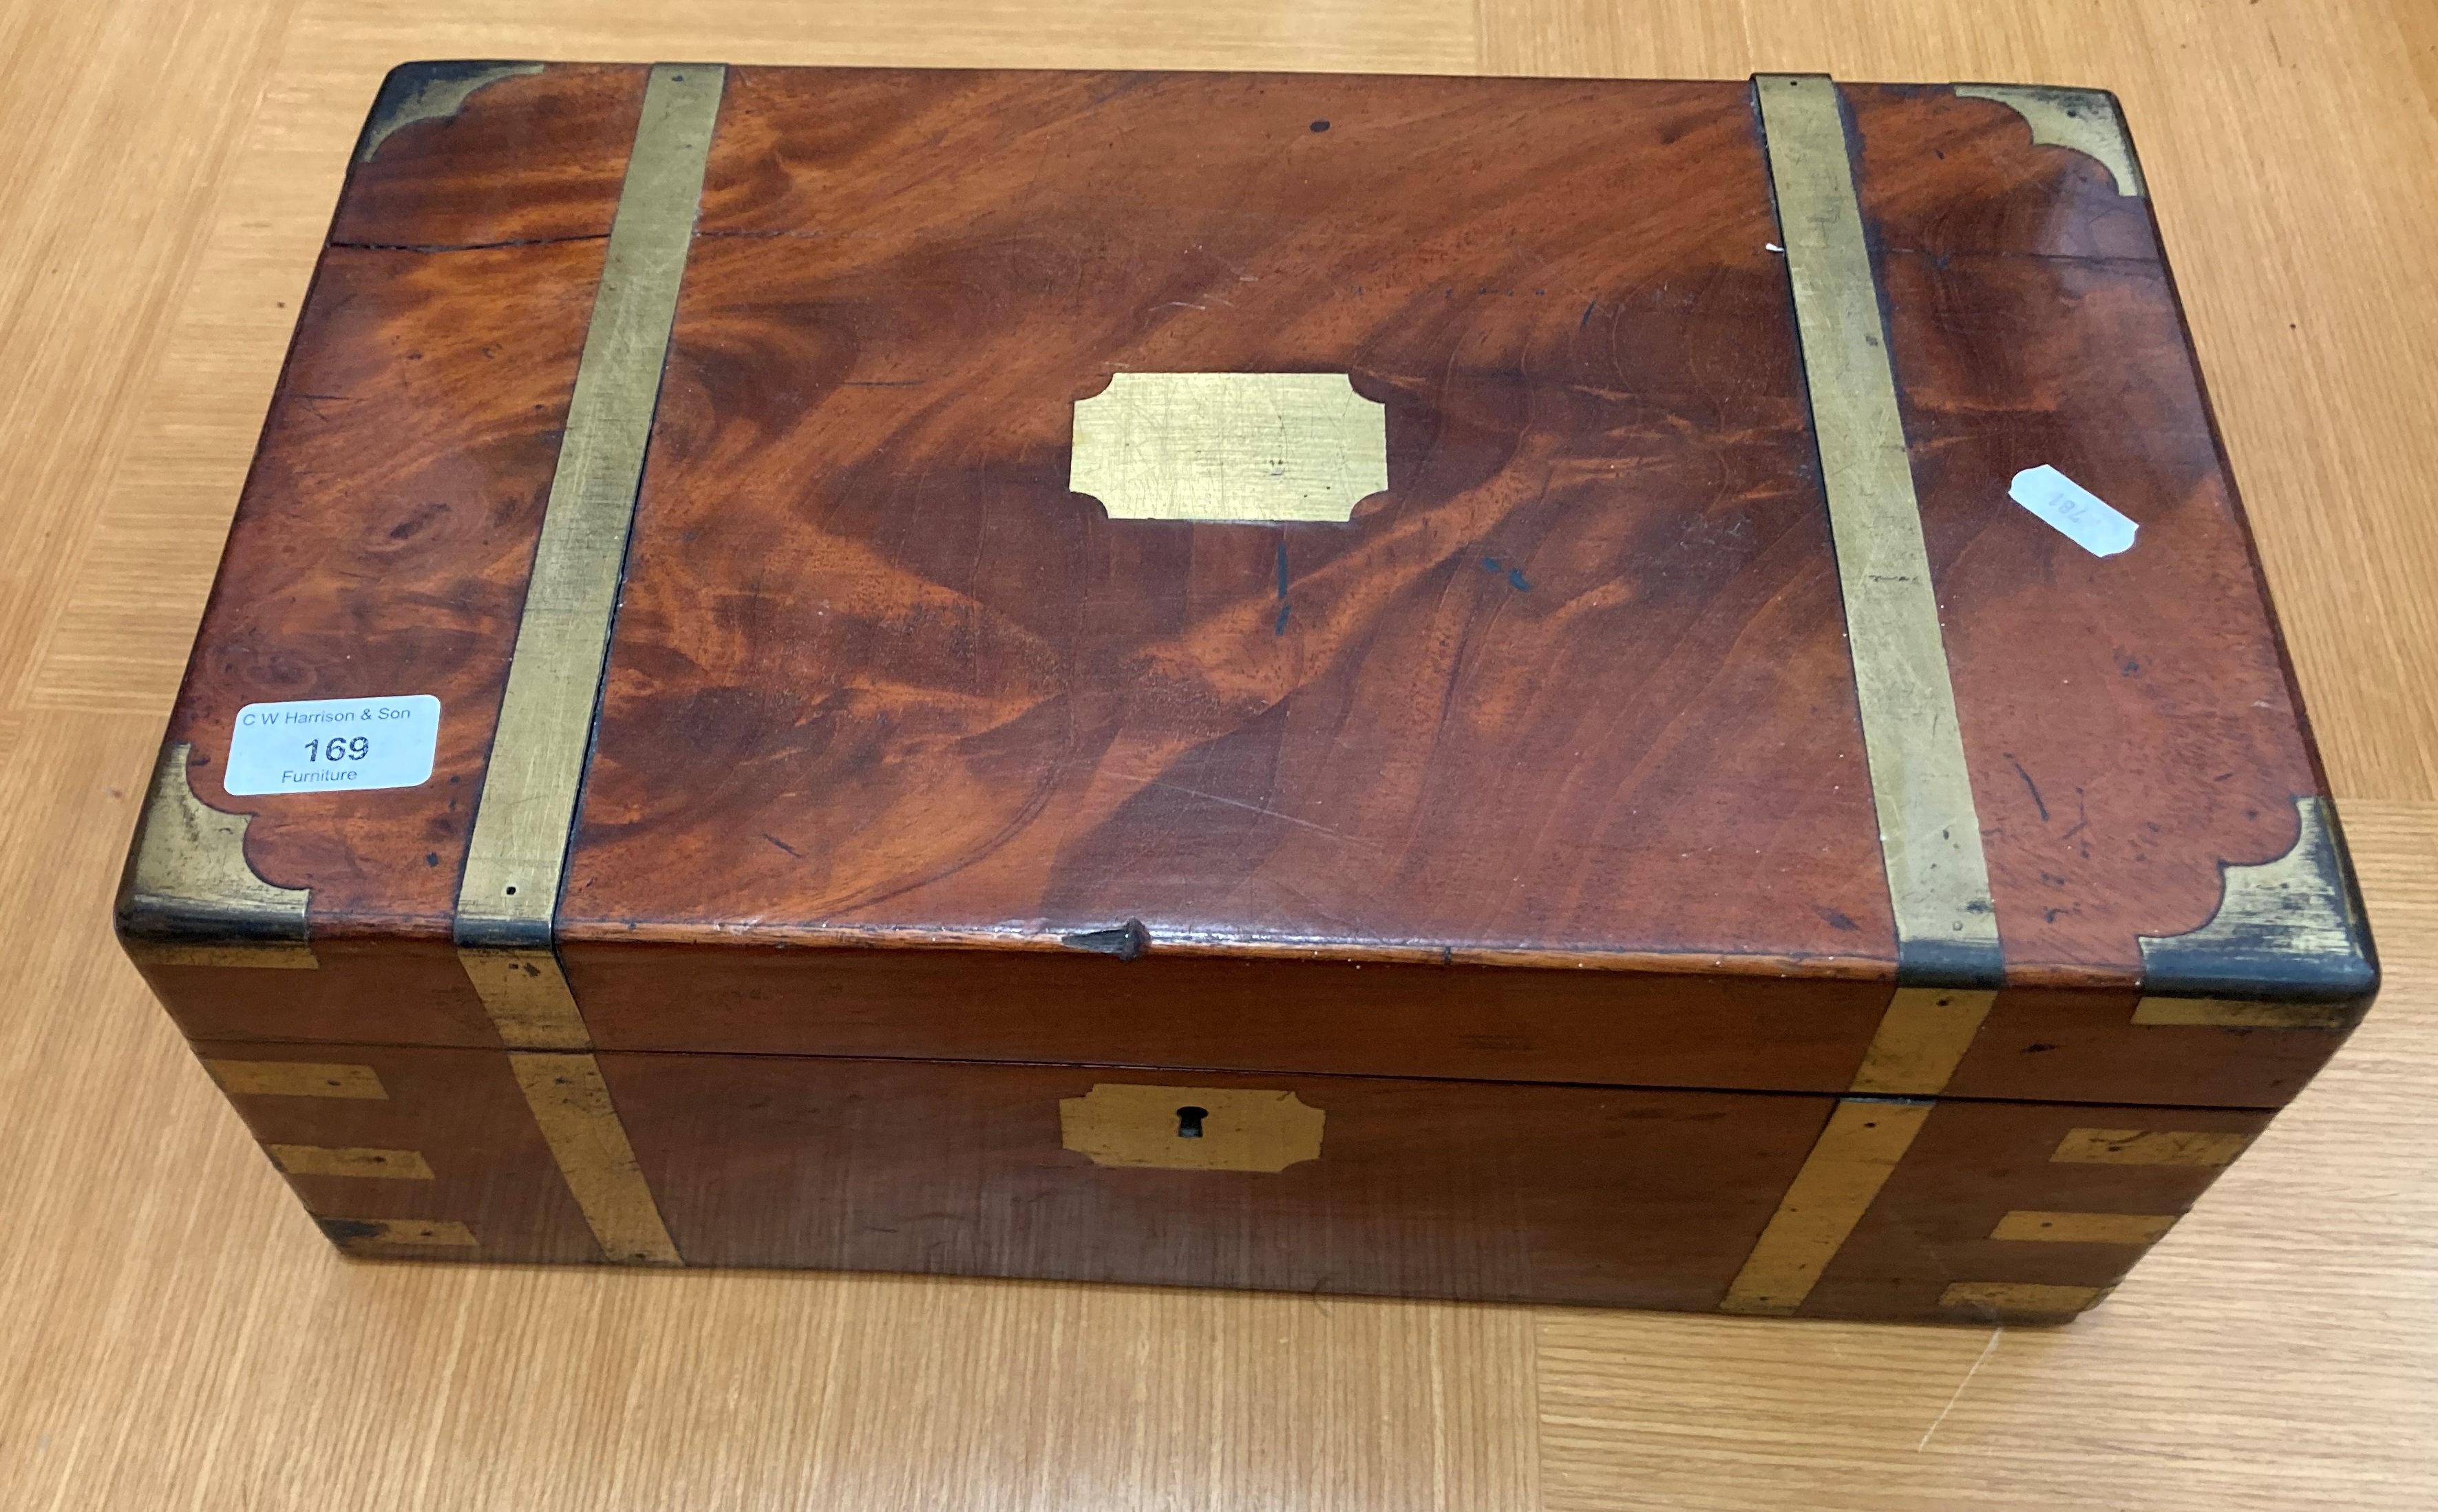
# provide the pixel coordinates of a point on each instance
(1188, 1122)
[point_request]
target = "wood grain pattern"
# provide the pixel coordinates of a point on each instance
(1575, 688)
(877, 669)
(1074, 1008)
(458, 1109)
(536, 159)
(1538, 1193)
(187, 1340)
(1568, 1194)
(381, 548)
(2109, 782)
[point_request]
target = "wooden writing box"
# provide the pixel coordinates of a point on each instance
(1423, 686)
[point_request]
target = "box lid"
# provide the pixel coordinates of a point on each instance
(1623, 562)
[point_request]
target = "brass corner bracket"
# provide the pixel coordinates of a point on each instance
(2084, 120)
(2287, 948)
(426, 92)
(188, 896)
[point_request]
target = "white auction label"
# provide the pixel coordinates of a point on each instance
(319, 745)
(2077, 514)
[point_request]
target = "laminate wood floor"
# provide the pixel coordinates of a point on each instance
(173, 1333)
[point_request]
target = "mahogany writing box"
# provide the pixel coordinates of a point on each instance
(1640, 693)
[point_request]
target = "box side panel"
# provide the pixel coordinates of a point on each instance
(407, 1153)
(1995, 1198)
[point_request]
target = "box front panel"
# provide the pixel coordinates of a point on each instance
(1606, 1196)
(1645, 1199)
(1513, 1192)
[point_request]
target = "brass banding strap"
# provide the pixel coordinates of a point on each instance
(1920, 1040)
(516, 857)
(1930, 833)
(1849, 1165)
(1948, 958)
(571, 1102)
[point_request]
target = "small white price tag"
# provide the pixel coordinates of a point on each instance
(318, 744)
(2079, 514)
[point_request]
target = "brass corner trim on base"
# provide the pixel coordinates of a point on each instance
(298, 1079)
(2148, 1146)
(571, 1103)
(189, 897)
(350, 1160)
(2082, 120)
(383, 1237)
(2287, 948)
(2030, 1226)
(2021, 1301)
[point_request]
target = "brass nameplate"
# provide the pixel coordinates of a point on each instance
(1230, 446)
(1191, 1128)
